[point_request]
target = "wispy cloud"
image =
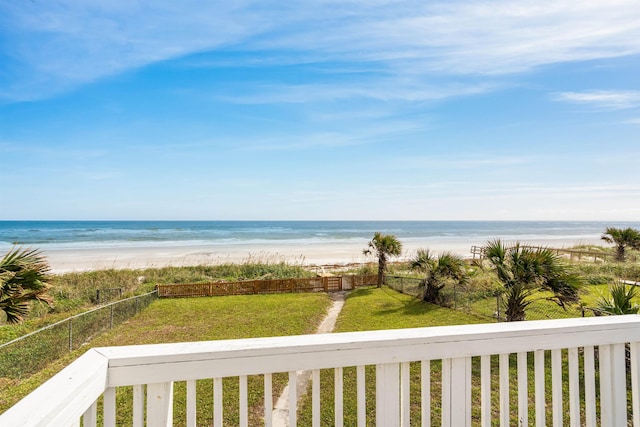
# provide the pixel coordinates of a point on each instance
(494, 37)
(56, 46)
(372, 133)
(386, 89)
(602, 99)
(462, 162)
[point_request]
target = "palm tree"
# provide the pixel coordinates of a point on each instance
(383, 245)
(438, 270)
(621, 301)
(525, 271)
(629, 237)
(23, 278)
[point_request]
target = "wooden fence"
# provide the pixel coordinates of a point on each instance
(572, 253)
(274, 286)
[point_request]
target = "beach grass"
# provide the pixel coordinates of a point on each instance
(196, 319)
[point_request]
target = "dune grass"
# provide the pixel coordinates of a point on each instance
(195, 319)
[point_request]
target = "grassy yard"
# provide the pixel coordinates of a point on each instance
(195, 319)
(375, 309)
(370, 309)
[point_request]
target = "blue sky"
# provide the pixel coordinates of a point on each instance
(320, 110)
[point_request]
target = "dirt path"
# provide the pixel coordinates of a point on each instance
(281, 409)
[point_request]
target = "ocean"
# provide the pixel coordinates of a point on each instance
(115, 234)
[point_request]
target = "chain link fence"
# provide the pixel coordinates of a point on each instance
(485, 302)
(32, 352)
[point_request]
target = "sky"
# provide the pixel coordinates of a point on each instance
(324, 110)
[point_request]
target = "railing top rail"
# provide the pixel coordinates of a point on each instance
(65, 320)
(65, 397)
(129, 364)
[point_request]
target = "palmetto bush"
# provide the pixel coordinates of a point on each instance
(621, 300)
(24, 276)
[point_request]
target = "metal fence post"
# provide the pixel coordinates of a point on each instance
(111, 316)
(455, 297)
(71, 334)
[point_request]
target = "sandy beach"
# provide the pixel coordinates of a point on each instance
(63, 260)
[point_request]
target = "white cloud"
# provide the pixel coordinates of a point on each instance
(602, 99)
(56, 46)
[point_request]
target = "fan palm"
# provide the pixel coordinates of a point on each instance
(383, 246)
(621, 301)
(622, 238)
(524, 272)
(23, 278)
(438, 270)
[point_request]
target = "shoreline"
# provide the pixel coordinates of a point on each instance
(66, 260)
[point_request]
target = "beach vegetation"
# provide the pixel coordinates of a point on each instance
(525, 272)
(622, 239)
(24, 278)
(620, 300)
(438, 271)
(383, 246)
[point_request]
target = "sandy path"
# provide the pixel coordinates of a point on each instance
(281, 410)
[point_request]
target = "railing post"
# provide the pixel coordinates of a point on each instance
(388, 395)
(160, 404)
(613, 398)
(456, 391)
(109, 408)
(635, 381)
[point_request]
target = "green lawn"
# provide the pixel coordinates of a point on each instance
(374, 309)
(195, 319)
(370, 309)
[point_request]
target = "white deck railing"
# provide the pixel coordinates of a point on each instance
(598, 347)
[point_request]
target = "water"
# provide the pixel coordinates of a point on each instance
(116, 234)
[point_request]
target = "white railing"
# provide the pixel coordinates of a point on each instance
(606, 350)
